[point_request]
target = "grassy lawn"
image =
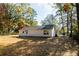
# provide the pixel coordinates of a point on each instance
(13, 45)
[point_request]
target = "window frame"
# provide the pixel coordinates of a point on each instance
(45, 32)
(26, 31)
(23, 32)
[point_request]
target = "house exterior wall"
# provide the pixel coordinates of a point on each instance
(53, 32)
(34, 32)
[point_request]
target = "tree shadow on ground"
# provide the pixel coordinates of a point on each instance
(31, 38)
(34, 47)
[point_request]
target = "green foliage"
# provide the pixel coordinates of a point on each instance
(14, 14)
(75, 28)
(66, 18)
(51, 20)
(64, 22)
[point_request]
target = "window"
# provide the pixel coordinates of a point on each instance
(46, 32)
(26, 31)
(23, 31)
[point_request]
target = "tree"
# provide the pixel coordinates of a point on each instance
(50, 20)
(4, 20)
(77, 8)
(10, 15)
(68, 8)
(65, 12)
(60, 13)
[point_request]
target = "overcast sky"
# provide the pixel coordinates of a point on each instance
(42, 10)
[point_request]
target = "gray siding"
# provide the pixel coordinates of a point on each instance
(35, 32)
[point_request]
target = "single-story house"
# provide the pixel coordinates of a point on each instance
(38, 31)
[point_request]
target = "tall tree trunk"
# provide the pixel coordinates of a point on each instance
(76, 37)
(77, 9)
(67, 23)
(62, 24)
(71, 24)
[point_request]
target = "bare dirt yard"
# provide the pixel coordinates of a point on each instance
(12, 45)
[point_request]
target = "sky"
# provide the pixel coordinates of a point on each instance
(42, 9)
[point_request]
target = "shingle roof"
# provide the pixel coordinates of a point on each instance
(48, 27)
(40, 27)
